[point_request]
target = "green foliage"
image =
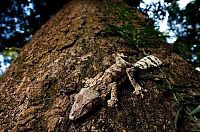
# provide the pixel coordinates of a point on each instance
(196, 110)
(157, 10)
(186, 25)
(183, 101)
(131, 30)
(183, 49)
(18, 22)
(21, 18)
(177, 117)
(184, 104)
(10, 54)
(188, 49)
(140, 36)
(192, 117)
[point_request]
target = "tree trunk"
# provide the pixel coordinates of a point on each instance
(36, 92)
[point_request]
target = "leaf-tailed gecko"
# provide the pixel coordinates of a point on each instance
(96, 89)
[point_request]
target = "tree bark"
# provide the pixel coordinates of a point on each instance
(36, 92)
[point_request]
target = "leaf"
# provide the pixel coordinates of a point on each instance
(177, 116)
(196, 110)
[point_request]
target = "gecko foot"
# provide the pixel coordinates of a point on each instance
(113, 100)
(138, 90)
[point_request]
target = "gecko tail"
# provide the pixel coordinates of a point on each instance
(147, 62)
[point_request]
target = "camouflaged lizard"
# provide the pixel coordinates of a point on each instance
(96, 89)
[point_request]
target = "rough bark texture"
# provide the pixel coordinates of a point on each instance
(36, 91)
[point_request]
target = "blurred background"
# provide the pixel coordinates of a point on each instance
(180, 20)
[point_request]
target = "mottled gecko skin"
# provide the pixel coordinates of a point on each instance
(96, 89)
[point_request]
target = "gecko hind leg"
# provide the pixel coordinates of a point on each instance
(112, 102)
(138, 88)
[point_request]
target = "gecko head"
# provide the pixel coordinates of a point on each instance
(83, 103)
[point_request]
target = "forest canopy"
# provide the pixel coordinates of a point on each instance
(20, 19)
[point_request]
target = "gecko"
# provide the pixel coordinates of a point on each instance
(96, 89)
